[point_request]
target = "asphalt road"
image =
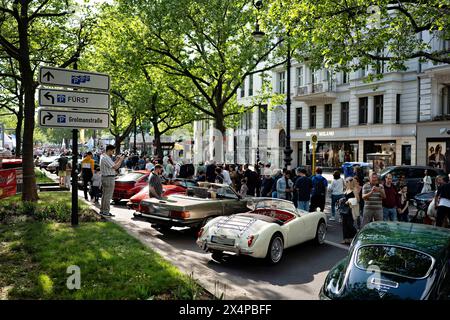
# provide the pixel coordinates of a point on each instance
(299, 275)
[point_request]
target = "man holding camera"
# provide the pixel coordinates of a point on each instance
(108, 169)
(373, 194)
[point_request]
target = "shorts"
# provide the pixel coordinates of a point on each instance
(61, 173)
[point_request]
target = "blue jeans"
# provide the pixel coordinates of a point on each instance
(334, 199)
(389, 214)
(303, 205)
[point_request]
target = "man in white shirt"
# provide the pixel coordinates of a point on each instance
(226, 175)
(108, 169)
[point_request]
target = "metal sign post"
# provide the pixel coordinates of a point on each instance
(314, 141)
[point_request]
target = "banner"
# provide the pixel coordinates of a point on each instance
(8, 184)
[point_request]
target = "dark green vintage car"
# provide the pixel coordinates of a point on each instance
(393, 261)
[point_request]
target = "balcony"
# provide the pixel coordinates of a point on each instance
(316, 92)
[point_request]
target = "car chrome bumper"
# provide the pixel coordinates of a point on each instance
(208, 246)
(172, 222)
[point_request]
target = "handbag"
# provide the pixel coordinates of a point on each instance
(343, 208)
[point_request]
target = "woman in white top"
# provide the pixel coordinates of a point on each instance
(426, 182)
(336, 189)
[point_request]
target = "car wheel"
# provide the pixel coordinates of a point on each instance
(321, 232)
(275, 249)
(217, 255)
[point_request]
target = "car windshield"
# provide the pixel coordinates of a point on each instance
(134, 176)
(395, 260)
(274, 205)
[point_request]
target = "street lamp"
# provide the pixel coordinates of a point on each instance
(258, 36)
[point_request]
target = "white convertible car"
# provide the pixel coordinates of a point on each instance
(264, 232)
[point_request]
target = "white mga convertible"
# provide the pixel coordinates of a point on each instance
(271, 226)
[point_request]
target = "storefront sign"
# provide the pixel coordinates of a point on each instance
(8, 185)
(320, 133)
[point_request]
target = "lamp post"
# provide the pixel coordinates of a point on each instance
(258, 36)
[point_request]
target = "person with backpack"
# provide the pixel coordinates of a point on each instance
(303, 186)
(336, 189)
(319, 191)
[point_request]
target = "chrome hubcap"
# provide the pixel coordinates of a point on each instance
(321, 232)
(277, 249)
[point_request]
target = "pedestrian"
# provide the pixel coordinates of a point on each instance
(266, 185)
(235, 178)
(226, 175)
(373, 194)
(154, 182)
(303, 186)
(348, 208)
(62, 167)
(149, 166)
(169, 169)
(201, 177)
(68, 174)
(277, 174)
(319, 191)
(403, 210)
(390, 202)
(96, 185)
(87, 171)
(219, 176)
(244, 188)
(285, 186)
(211, 172)
(336, 190)
(251, 179)
(108, 169)
(426, 182)
(141, 163)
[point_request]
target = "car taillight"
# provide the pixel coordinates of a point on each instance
(250, 240)
(179, 214)
(200, 232)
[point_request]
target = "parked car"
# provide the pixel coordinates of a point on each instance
(174, 186)
(264, 232)
(195, 209)
(413, 176)
(129, 184)
(45, 161)
(393, 260)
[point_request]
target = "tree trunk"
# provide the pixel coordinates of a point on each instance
(143, 141)
(159, 150)
(117, 143)
(219, 144)
(29, 191)
(19, 132)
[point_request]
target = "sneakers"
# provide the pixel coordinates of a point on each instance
(107, 214)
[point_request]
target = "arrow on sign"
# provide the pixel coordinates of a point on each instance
(49, 117)
(49, 96)
(48, 75)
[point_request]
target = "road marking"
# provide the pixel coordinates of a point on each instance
(337, 245)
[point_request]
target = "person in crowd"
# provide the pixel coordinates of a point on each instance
(68, 175)
(251, 180)
(219, 176)
(169, 169)
(426, 182)
(442, 204)
(201, 176)
(373, 194)
(211, 172)
(96, 185)
(285, 186)
(303, 186)
(296, 175)
(141, 163)
(358, 190)
(348, 207)
(439, 181)
(390, 202)
(200, 167)
(319, 191)
(87, 171)
(244, 189)
(149, 166)
(336, 189)
(108, 169)
(266, 185)
(235, 178)
(403, 209)
(154, 182)
(226, 175)
(277, 174)
(62, 167)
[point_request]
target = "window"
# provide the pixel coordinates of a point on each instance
(263, 116)
(380, 67)
(344, 114)
(281, 82)
(364, 71)
(363, 106)
(378, 109)
(312, 117)
(445, 100)
(313, 77)
(299, 72)
(345, 77)
(397, 109)
(243, 89)
(298, 118)
(328, 115)
(250, 85)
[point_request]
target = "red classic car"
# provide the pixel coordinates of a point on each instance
(174, 186)
(129, 184)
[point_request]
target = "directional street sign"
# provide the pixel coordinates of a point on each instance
(54, 118)
(74, 78)
(73, 99)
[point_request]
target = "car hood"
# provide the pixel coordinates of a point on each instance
(237, 226)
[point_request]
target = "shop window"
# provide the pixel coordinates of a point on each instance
(438, 155)
(344, 114)
(363, 107)
(332, 154)
(312, 117)
(378, 109)
(406, 155)
(328, 115)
